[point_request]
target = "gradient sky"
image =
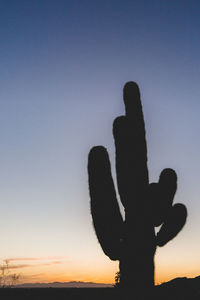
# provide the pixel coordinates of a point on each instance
(63, 65)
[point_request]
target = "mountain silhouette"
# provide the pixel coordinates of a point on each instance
(70, 284)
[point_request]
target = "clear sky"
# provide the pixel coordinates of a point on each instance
(63, 64)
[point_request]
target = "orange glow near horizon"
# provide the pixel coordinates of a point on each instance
(99, 278)
(64, 274)
(51, 269)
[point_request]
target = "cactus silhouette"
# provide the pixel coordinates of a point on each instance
(132, 241)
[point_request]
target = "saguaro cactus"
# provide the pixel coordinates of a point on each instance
(132, 241)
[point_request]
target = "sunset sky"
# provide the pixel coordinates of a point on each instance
(63, 65)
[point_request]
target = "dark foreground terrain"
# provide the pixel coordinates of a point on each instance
(179, 288)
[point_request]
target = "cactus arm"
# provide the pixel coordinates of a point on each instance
(161, 195)
(130, 145)
(168, 187)
(107, 219)
(174, 222)
(134, 115)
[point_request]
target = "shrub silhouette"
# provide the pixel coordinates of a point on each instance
(117, 280)
(132, 241)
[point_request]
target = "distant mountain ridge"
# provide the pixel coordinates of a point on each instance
(70, 284)
(176, 283)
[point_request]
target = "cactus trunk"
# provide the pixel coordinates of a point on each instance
(137, 260)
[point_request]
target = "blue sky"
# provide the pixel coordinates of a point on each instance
(63, 65)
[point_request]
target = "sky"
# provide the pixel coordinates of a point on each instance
(63, 65)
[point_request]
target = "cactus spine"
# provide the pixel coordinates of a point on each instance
(132, 241)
